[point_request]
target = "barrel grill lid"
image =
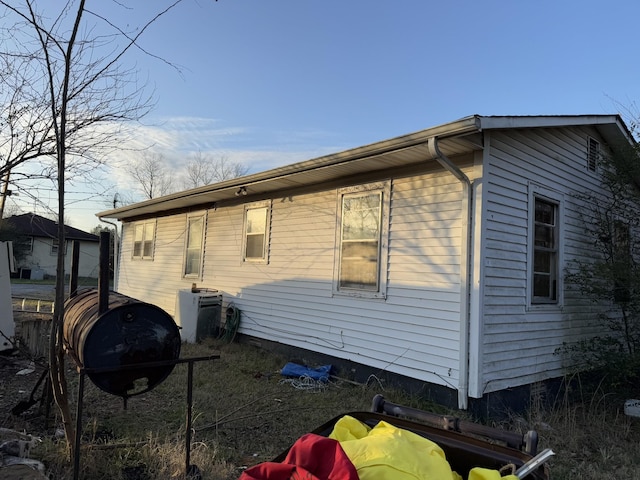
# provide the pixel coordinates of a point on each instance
(126, 340)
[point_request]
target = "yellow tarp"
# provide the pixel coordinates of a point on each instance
(385, 452)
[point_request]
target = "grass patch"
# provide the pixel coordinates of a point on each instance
(592, 437)
(244, 414)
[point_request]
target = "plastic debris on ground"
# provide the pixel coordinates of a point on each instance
(632, 408)
(14, 450)
(303, 377)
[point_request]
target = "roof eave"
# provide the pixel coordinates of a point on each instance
(229, 187)
(611, 127)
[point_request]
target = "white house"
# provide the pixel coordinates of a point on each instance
(41, 258)
(413, 256)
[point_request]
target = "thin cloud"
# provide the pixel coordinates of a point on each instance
(179, 137)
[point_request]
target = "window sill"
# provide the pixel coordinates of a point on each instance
(357, 294)
(545, 307)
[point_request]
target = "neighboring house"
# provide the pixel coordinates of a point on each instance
(42, 255)
(414, 256)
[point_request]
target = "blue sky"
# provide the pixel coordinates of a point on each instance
(269, 83)
(353, 72)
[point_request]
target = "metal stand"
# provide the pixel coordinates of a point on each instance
(83, 371)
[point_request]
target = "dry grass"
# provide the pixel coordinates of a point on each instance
(243, 414)
(592, 438)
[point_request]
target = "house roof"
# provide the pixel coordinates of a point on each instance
(36, 226)
(454, 138)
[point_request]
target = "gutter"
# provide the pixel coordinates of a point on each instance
(227, 188)
(463, 381)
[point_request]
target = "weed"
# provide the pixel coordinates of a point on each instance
(243, 414)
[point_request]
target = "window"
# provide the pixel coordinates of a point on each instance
(622, 261)
(545, 251)
(193, 253)
(256, 232)
(362, 241)
(593, 154)
(143, 235)
(55, 247)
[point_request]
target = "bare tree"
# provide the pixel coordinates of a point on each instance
(70, 76)
(100, 94)
(203, 170)
(25, 132)
(152, 177)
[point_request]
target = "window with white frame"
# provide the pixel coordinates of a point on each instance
(256, 232)
(545, 250)
(143, 239)
(362, 240)
(55, 247)
(193, 246)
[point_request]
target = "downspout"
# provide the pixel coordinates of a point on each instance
(463, 382)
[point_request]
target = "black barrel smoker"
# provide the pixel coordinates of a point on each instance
(125, 346)
(129, 333)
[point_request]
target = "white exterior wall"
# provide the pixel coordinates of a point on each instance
(518, 340)
(156, 281)
(414, 331)
(42, 258)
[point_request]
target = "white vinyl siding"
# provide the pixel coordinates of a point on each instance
(519, 337)
(414, 331)
(158, 281)
(40, 257)
(285, 278)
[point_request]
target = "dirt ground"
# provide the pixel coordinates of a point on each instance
(243, 413)
(22, 407)
(22, 379)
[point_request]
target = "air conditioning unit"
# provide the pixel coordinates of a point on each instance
(198, 313)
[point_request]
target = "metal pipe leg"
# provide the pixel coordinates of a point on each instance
(189, 409)
(76, 448)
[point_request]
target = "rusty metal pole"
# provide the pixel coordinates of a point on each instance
(76, 448)
(189, 413)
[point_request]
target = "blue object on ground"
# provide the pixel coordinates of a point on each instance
(294, 370)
